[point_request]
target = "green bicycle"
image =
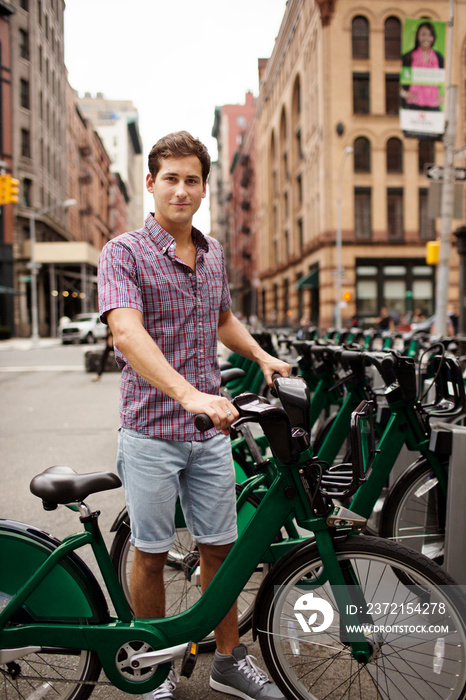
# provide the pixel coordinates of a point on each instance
(328, 614)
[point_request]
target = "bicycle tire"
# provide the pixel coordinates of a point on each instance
(312, 665)
(180, 592)
(65, 674)
(414, 512)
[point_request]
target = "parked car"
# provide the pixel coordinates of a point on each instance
(83, 328)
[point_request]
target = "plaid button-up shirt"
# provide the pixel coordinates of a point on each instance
(180, 309)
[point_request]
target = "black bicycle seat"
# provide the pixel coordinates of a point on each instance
(63, 485)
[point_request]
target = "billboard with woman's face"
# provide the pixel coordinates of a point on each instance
(422, 78)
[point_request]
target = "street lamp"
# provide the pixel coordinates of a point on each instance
(348, 151)
(34, 266)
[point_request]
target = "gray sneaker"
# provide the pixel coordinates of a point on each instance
(239, 675)
(166, 691)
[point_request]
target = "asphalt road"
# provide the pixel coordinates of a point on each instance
(52, 413)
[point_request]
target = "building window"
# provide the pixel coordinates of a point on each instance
(402, 285)
(24, 44)
(299, 144)
(300, 235)
(25, 143)
(24, 4)
(24, 93)
(392, 101)
(395, 227)
(26, 192)
(360, 37)
(361, 102)
(426, 153)
(363, 213)
(394, 156)
(362, 155)
(392, 39)
(426, 225)
(299, 187)
(286, 298)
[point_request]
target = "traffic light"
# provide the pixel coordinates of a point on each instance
(2, 189)
(432, 252)
(11, 189)
(347, 296)
(8, 189)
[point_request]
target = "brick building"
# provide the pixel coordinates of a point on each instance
(328, 141)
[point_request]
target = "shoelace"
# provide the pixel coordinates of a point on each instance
(168, 686)
(251, 670)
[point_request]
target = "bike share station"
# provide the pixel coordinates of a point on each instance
(454, 437)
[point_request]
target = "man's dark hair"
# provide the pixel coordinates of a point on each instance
(178, 145)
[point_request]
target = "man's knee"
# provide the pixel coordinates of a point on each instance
(150, 563)
(214, 553)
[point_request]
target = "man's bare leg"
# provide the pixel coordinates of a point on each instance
(147, 587)
(226, 633)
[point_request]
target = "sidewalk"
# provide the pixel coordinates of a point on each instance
(28, 344)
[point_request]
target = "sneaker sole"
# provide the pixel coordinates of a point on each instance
(229, 690)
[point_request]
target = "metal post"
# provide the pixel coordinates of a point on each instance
(338, 274)
(34, 266)
(34, 272)
(448, 190)
(460, 234)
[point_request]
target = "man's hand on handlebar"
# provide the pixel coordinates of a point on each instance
(272, 365)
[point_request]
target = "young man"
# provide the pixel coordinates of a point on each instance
(164, 293)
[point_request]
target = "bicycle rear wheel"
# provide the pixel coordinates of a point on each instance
(414, 512)
(417, 641)
(182, 584)
(62, 674)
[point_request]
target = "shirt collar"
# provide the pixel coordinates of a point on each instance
(164, 240)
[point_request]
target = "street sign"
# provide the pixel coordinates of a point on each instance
(436, 172)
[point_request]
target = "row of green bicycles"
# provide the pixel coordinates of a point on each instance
(346, 601)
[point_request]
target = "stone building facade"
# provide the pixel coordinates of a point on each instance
(329, 143)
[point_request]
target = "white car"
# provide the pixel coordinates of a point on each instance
(83, 328)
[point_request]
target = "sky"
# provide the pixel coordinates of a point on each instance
(175, 60)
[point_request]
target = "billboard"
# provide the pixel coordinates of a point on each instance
(422, 78)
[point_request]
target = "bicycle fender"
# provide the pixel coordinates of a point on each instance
(69, 592)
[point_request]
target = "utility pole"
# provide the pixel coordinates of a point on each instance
(448, 189)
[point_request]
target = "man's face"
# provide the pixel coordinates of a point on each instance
(178, 190)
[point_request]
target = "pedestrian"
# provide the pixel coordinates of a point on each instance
(103, 357)
(164, 293)
(385, 321)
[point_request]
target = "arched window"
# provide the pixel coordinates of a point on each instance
(362, 155)
(392, 39)
(394, 156)
(360, 37)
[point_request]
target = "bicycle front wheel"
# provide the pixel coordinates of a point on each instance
(417, 637)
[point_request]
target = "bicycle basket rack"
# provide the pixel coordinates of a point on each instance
(344, 479)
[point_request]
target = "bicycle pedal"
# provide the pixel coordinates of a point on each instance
(189, 659)
(342, 517)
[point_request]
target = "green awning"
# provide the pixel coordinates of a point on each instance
(309, 281)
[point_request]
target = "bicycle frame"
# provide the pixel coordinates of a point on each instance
(285, 497)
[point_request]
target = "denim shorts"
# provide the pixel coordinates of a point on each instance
(155, 472)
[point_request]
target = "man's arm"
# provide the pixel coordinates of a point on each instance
(237, 338)
(146, 358)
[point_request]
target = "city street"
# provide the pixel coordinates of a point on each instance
(52, 413)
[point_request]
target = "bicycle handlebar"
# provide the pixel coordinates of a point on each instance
(203, 422)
